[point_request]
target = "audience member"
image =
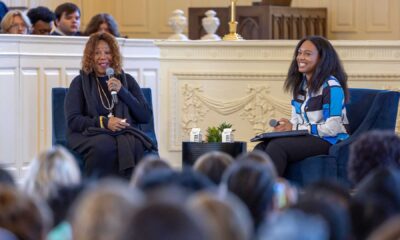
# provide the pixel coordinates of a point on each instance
(213, 165)
(68, 20)
(102, 22)
(21, 215)
(42, 20)
(6, 178)
(51, 170)
(3, 10)
(224, 217)
(329, 190)
(147, 164)
(167, 221)
(372, 150)
(103, 213)
(335, 216)
(376, 200)
(294, 225)
(15, 22)
(187, 179)
(258, 156)
(389, 230)
(254, 185)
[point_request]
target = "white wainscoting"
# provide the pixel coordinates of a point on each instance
(30, 66)
(206, 83)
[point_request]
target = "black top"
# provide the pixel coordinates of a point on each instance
(76, 112)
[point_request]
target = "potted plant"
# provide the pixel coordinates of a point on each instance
(192, 150)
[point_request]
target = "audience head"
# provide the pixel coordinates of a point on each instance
(372, 150)
(165, 220)
(21, 215)
(6, 178)
(104, 211)
(15, 22)
(335, 216)
(187, 180)
(258, 156)
(294, 225)
(146, 165)
(329, 190)
(101, 51)
(253, 185)
(102, 22)
(51, 170)
(42, 20)
(319, 60)
(213, 165)
(224, 217)
(68, 18)
(389, 230)
(376, 200)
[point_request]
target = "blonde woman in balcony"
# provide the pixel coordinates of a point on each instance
(15, 22)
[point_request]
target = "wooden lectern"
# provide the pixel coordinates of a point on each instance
(264, 22)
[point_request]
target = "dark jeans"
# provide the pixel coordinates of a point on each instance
(293, 149)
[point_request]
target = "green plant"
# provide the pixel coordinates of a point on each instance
(214, 133)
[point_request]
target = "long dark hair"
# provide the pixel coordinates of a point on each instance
(328, 64)
(99, 19)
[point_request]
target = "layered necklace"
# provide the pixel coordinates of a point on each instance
(107, 105)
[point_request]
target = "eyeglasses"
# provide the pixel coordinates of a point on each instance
(17, 26)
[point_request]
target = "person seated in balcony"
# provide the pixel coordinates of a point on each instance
(102, 128)
(102, 22)
(15, 22)
(42, 20)
(68, 20)
(318, 84)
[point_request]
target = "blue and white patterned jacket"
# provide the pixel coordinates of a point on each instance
(322, 113)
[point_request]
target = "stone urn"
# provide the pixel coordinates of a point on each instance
(210, 24)
(178, 23)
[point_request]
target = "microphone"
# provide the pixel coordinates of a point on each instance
(273, 122)
(110, 74)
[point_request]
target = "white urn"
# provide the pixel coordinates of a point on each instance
(178, 23)
(210, 24)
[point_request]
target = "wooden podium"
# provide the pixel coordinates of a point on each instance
(264, 22)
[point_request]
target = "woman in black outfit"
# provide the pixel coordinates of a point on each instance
(103, 131)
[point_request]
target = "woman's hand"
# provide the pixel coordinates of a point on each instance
(284, 125)
(117, 124)
(114, 84)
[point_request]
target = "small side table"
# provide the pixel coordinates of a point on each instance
(192, 150)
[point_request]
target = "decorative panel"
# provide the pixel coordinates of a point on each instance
(343, 15)
(31, 127)
(133, 16)
(379, 15)
(9, 109)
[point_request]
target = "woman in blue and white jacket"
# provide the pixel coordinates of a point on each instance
(318, 83)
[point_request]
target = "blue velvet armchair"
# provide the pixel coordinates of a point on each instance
(59, 128)
(367, 109)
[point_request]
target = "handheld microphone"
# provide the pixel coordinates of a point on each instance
(110, 74)
(273, 122)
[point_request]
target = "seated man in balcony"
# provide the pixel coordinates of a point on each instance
(68, 20)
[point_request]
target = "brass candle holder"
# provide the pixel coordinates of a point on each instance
(233, 35)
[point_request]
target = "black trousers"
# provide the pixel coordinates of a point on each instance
(293, 149)
(99, 153)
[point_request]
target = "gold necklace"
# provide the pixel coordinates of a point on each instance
(109, 106)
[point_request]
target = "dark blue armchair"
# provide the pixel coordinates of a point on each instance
(368, 109)
(59, 125)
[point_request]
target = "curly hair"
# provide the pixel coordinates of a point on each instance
(99, 19)
(88, 53)
(372, 150)
(41, 14)
(329, 64)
